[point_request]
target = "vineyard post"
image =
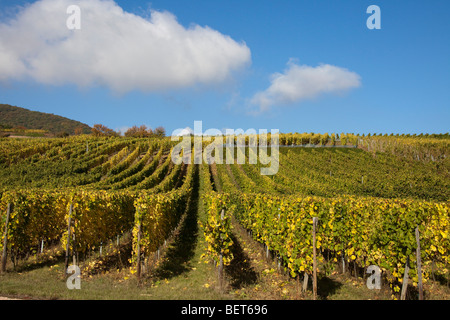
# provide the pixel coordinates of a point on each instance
(305, 282)
(5, 238)
(74, 260)
(220, 271)
(138, 249)
(66, 263)
(405, 280)
(314, 259)
(419, 265)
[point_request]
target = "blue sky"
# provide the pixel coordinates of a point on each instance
(268, 75)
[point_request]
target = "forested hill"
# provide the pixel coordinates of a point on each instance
(12, 117)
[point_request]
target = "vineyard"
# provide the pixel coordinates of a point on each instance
(375, 198)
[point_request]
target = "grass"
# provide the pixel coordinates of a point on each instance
(182, 273)
(268, 282)
(261, 279)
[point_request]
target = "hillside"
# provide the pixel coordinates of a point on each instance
(14, 117)
(133, 201)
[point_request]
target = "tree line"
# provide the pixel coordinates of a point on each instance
(143, 131)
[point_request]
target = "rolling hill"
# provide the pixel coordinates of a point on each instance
(12, 117)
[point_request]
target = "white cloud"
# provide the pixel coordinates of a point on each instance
(301, 82)
(114, 48)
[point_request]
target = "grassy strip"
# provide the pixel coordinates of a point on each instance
(181, 273)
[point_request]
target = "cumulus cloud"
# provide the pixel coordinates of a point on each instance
(114, 48)
(301, 82)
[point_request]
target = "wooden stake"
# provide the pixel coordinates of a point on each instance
(314, 259)
(419, 265)
(305, 282)
(66, 263)
(220, 271)
(74, 259)
(5, 239)
(138, 249)
(405, 280)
